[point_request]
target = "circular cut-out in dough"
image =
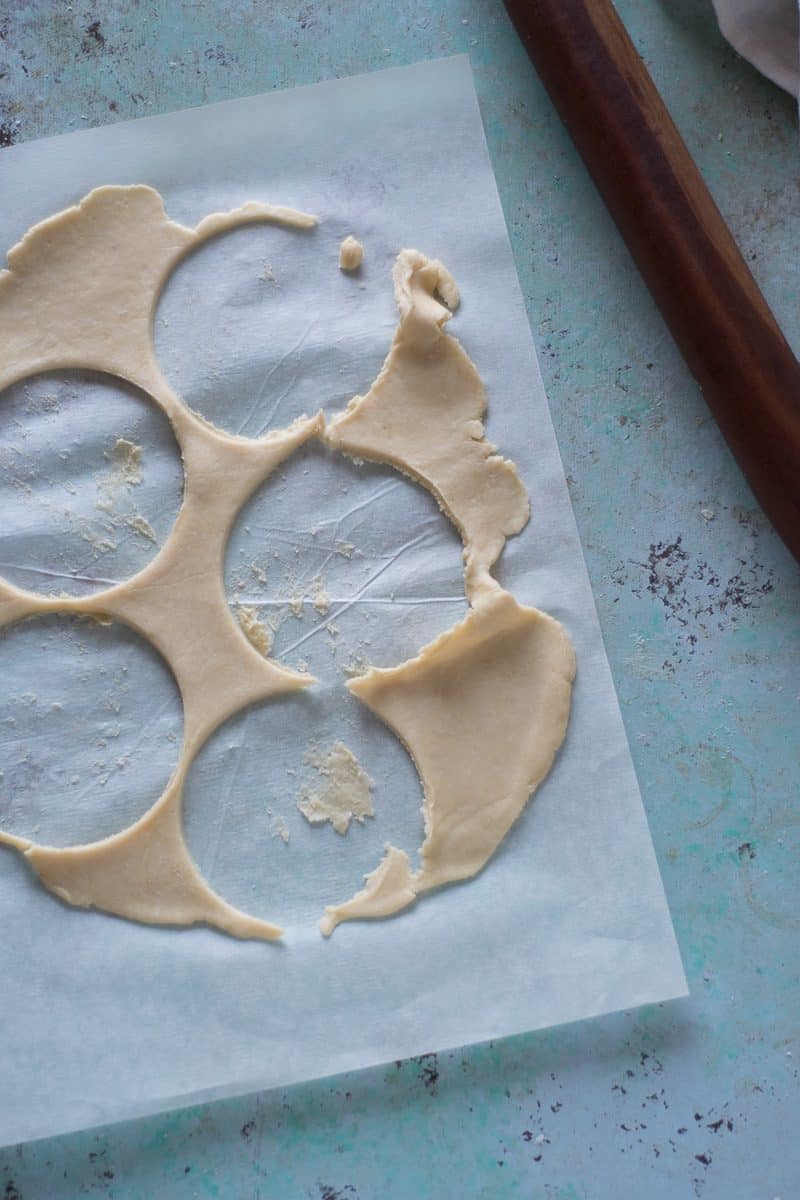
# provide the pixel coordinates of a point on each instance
(242, 790)
(91, 481)
(90, 728)
(253, 328)
(332, 565)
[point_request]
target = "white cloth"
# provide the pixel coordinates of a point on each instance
(766, 33)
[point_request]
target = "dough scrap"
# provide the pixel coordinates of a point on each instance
(423, 415)
(318, 594)
(257, 632)
(482, 710)
(351, 254)
(388, 889)
(125, 472)
(345, 790)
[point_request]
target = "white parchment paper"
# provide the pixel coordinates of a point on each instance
(104, 1019)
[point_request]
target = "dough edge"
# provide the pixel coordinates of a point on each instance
(461, 468)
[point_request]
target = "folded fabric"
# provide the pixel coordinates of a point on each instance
(767, 33)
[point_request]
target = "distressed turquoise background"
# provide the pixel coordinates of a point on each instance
(698, 601)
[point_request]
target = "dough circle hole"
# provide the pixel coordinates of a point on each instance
(91, 482)
(240, 803)
(259, 325)
(337, 564)
(90, 728)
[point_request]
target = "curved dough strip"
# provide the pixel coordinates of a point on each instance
(484, 708)
(145, 874)
(482, 711)
(423, 415)
(81, 291)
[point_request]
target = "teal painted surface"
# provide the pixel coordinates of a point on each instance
(699, 614)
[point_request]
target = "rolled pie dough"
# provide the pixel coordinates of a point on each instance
(482, 710)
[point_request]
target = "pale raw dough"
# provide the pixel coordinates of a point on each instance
(81, 292)
(389, 888)
(482, 710)
(351, 254)
(423, 416)
(257, 632)
(344, 793)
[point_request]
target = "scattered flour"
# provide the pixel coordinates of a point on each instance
(356, 664)
(125, 472)
(141, 525)
(279, 829)
(319, 595)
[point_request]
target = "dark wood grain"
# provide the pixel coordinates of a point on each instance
(675, 232)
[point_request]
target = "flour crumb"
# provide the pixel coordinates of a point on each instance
(351, 254)
(294, 593)
(707, 514)
(279, 829)
(318, 595)
(344, 792)
(297, 592)
(127, 457)
(356, 664)
(142, 526)
(103, 544)
(126, 471)
(258, 633)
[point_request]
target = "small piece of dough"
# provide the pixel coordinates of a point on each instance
(351, 254)
(344, 793)
(388, 889)
(482, 711)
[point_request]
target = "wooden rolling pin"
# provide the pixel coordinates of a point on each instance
(678, 238)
